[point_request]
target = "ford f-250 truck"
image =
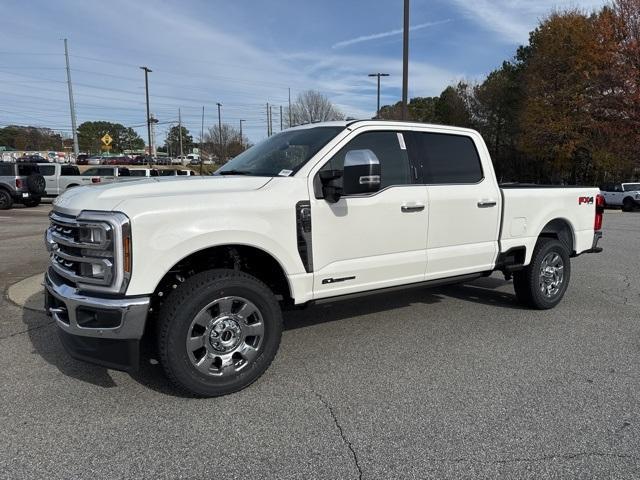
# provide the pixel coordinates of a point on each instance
(204, 265)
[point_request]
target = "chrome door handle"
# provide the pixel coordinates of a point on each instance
(412, 208)
(487, 203)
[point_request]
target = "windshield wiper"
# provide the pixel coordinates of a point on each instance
(235, 172)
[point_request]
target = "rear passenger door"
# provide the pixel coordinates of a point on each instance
(464, 204)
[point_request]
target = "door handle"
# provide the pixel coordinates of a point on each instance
(415, 207)
(487, 203)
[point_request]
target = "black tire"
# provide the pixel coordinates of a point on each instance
(176, 324)
(6, 202)
(36, 183)
(528, 281)
(32, 202)
(627, 204)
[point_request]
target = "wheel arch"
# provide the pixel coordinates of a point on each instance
(562, 230)
(246, 258)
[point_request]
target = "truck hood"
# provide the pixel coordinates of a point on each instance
(109, 196)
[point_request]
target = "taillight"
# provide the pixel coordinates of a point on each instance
(597, 223)
(18, 183)
(95, 180)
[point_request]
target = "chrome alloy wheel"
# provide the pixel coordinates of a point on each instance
(225, 336)
(551, 274)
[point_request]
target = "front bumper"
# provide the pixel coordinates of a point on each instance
(105, 331)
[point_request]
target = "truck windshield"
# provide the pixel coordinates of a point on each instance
(282, 154)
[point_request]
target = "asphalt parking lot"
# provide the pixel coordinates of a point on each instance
(454, 382)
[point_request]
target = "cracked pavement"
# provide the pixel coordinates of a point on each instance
(453, 382)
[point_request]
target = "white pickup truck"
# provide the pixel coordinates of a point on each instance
(204, 265)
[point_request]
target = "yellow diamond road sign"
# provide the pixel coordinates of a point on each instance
(106, 139)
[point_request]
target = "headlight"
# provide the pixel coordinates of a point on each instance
(92, 250)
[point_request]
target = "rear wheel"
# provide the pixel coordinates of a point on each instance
(543, 282)
(5, 200)
(627, 204)
(218, 332)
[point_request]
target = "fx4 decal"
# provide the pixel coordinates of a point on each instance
(585, 200)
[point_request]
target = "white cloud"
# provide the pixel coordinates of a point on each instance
(512, 20)
(389, 33)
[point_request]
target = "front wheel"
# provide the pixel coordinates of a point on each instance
(543, 282)
(218, 332)
(627, 205)
(5, 200)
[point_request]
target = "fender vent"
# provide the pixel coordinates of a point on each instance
(303, 232)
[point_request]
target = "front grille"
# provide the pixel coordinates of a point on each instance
(82, 252)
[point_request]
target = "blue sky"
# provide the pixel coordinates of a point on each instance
(243, 54)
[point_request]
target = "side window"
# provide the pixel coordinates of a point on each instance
(386, 146)
(69, 170)
(617, 188)
(6, 170)
(91, 172)
(446, 158)
(105, 172)
(47, 170)
(124, 172)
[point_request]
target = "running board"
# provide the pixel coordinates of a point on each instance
(429, 283)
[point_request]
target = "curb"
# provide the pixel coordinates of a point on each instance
(28, 293)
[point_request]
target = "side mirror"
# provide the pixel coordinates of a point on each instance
(361, 172)
(331, 181)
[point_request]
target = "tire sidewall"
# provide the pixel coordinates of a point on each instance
(540, 300)
(8, 201)
(207, 291)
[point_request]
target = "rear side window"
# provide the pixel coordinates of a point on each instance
(446, 159)
(105, 172)
(6, 170)
(137, 173)
(47, 170)
(27, 169)
(124, 172)
(69, 170)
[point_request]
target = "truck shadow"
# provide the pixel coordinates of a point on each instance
(482, 291)
(44, 339)
(43, 336)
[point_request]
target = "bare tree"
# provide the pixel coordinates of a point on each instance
(312, 106)
(227, 145)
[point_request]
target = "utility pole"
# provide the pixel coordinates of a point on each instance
(378, 75)
(220, 131)
(201, 139)
(405, 61)
(280, 117)
(146, 88)
(241, 141)
(268, 129)
(76, 149)
(290, 108)
(180, 129)
(271, 119)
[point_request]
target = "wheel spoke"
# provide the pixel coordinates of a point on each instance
(254, 329)
(227, 366)
(204, 365)
(225, 305)
(248, 352)
(246, 310)
(195, 343)
(203, 318)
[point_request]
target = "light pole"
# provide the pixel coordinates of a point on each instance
(241, 141)
(147, 71)
(378, 75)
(220, 130)
(405, 61)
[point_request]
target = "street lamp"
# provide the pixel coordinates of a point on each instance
(378, 75)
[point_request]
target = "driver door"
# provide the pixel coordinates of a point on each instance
(366, 241)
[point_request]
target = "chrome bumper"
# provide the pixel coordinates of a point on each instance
(67, 305)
